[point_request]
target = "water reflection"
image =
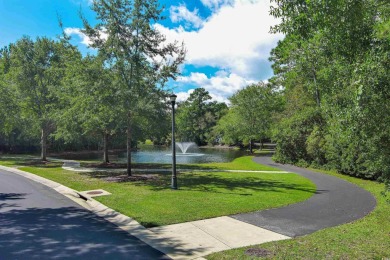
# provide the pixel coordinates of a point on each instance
(162, 154)
(194, 155)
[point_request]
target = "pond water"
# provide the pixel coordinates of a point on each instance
(193, 155)
(157, 154)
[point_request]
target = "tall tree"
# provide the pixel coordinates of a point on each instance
(36, 71)
(197, 115)
(88, 103)
(250, 114)
(9, 111)
(342, 67)
(135, 52)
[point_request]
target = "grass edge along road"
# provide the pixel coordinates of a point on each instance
(366, 238)
(201, 195)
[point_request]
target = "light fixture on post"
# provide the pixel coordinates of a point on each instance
(174, 176)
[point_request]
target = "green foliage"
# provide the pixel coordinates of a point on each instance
(196, 117)
(228, 128)
(335, 77)
(250, 115)
(136, 54)
(294, 134)
(33, 76)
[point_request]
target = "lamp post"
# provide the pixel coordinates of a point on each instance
(174, 177)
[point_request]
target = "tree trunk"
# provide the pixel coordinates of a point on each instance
(105, 148)
(250, 146)
(128, 145)
(43, 144)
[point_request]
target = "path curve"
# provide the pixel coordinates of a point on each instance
(335, 202)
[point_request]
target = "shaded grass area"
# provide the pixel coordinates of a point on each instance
(367, 238)
(201, 194)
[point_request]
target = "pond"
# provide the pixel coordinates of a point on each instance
(151, 154)
(162, 154)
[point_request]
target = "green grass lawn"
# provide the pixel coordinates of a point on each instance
(201, 194)
(367, 238)
(241, 163)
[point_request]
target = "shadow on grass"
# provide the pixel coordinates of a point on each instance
(227, 183)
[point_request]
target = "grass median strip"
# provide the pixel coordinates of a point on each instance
(201, 194)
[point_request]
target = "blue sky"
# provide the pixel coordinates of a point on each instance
(227, 41)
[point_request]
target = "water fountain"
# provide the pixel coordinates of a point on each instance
(184, 146)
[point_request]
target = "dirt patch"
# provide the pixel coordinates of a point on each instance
(133, 178)
(258, 252)
(105, 165)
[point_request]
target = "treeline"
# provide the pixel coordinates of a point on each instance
(333, 65)
(328, 104)
(48, 91)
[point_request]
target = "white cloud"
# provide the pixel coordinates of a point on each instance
(181, 13)
(183, 96)
(215, 4)
(236, 38)
(220, 86)
(84, 38)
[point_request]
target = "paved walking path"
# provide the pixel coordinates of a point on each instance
(335, 202)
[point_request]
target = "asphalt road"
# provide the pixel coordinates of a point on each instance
(335, 202)
(38, 223)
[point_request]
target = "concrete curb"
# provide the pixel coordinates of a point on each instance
(68, 192)
(123, 222)
(191, 240)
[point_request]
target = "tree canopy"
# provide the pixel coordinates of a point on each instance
(136, 54)
(334, 67)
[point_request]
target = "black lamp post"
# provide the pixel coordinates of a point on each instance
(174, 177)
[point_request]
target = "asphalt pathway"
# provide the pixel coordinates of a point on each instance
(36, 222)
(335, 202)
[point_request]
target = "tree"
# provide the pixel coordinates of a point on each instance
(197, 115)
(134, 51)
(228, 128)
(250, 114)
(8, 107)
(88, 103)
(36, 71)
(340, 70)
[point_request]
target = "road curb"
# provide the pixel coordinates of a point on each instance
(131, 226)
